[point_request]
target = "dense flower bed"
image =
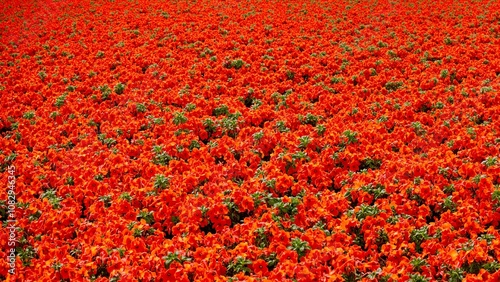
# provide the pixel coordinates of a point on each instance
(251, 140)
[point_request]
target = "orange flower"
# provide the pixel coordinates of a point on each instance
(259, 267)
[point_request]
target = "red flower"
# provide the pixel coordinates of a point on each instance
(259, 267)
(288, 255)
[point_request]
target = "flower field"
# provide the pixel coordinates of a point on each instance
(250, 140)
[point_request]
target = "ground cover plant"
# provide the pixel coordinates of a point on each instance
(250, 140)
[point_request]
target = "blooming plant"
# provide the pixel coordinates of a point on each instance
(204, 140)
